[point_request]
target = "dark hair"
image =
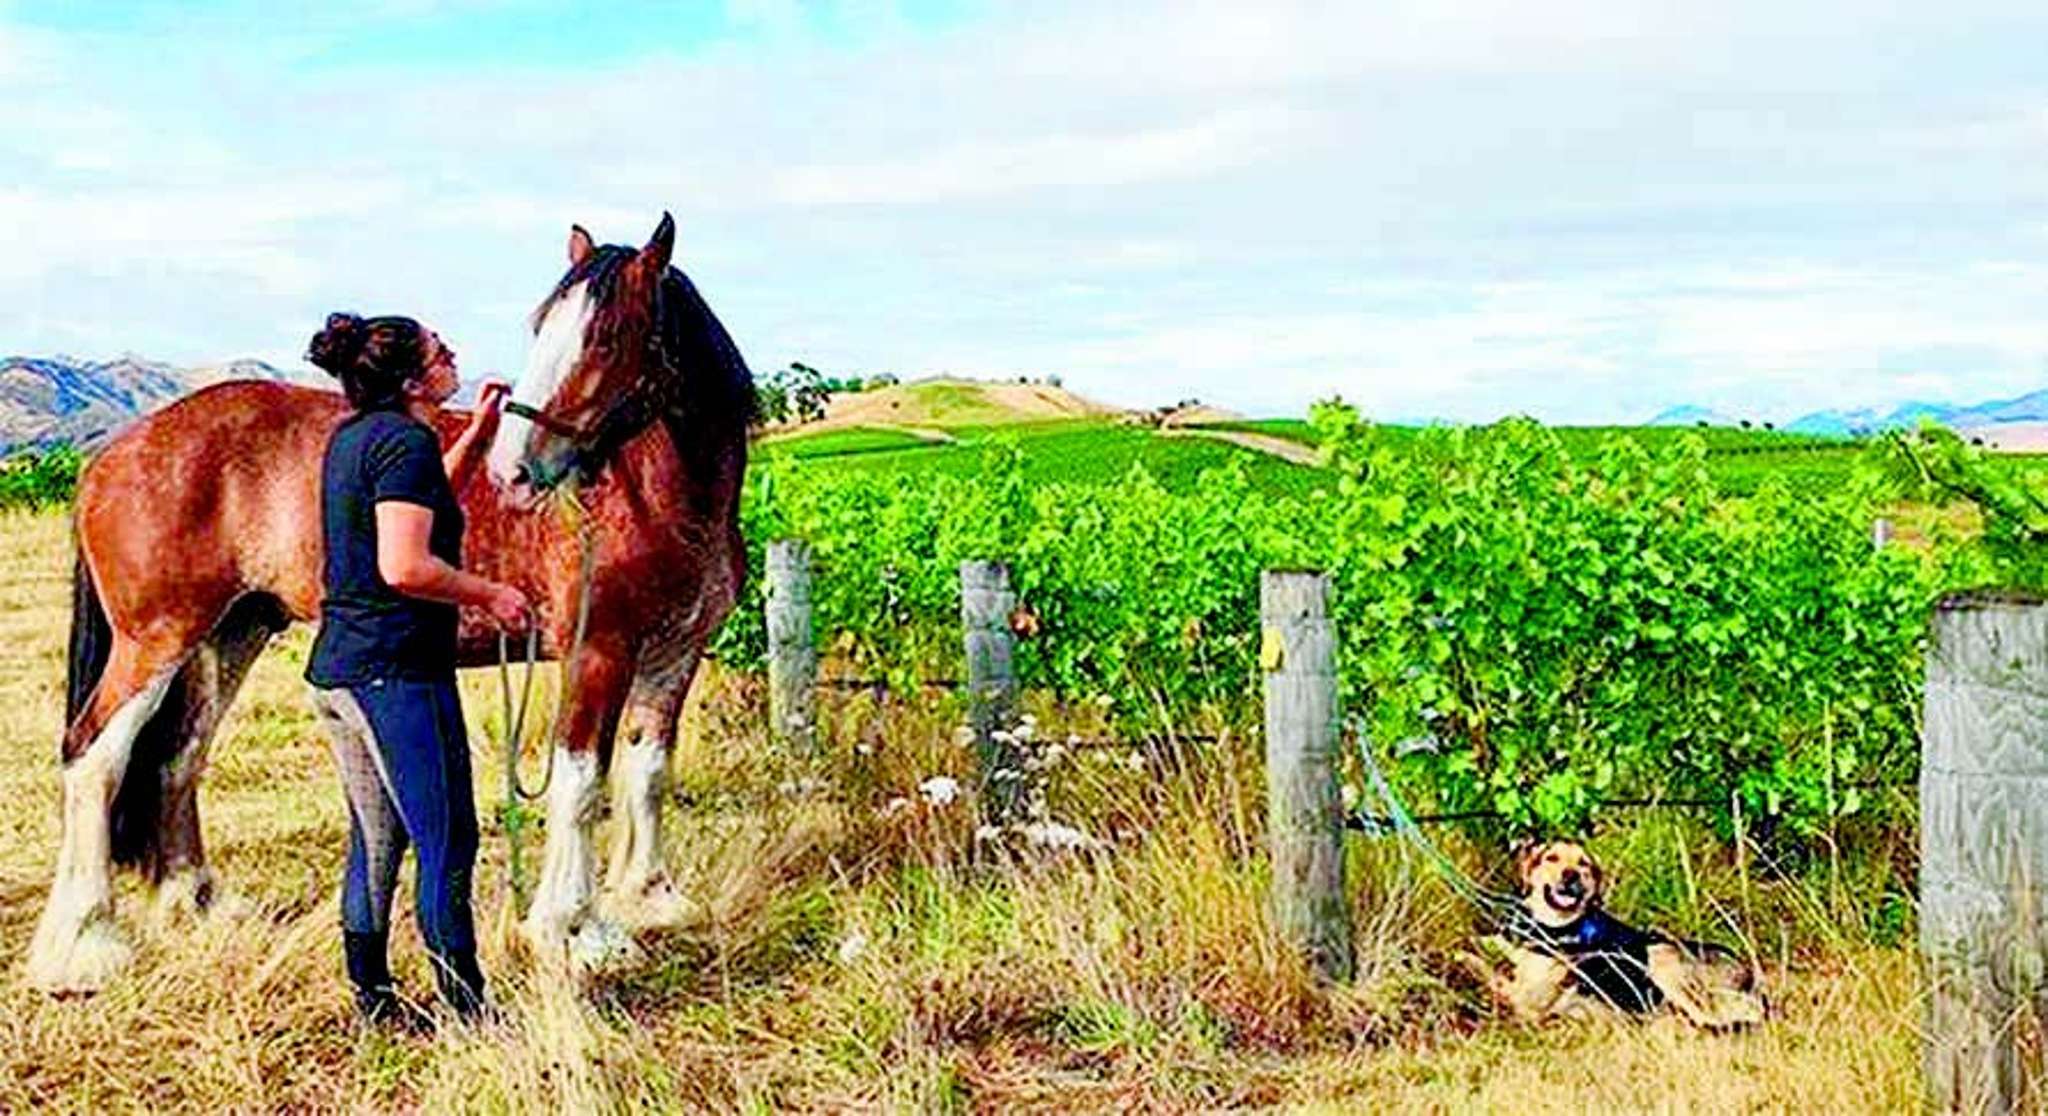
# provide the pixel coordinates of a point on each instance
(372, 357)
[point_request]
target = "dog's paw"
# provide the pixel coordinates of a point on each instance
(1731, 1010)
(1476, 965)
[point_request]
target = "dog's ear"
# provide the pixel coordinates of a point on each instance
(1599, 875)
(1526, 853)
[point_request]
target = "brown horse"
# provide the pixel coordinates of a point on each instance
(198, 537)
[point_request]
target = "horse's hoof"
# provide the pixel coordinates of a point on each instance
(601, 945)
(654, 905)
(549, 940)
(593, 945)
(80, 963)
(187, 897)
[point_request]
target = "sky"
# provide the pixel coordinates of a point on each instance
(1582, 210)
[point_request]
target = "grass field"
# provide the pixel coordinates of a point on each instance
(1094, 450)
(849, 952)
(850, 440)
(1079, 451)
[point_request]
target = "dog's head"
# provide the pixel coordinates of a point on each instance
(1560, 881)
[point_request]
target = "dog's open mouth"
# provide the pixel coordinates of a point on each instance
(1567, 896)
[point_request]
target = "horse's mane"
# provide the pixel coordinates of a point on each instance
(714, 392)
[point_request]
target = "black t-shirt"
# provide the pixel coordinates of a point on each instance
(369, 630)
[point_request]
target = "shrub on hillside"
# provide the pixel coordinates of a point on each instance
(35, 479)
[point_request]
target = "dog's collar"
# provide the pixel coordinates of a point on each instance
(1584, 933)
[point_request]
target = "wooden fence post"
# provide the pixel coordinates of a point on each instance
(792, 653)
(985, 604)
(1984, 851)
(1304, 819)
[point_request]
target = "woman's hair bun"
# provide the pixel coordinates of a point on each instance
(339, 343)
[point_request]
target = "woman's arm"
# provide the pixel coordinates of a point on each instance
(468, 449)
(407, 565)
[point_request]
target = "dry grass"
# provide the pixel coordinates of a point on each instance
(850, 955)
(943, 402)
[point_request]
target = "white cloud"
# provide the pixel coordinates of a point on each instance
(1587, 209)
(247, 230)
(983, 168)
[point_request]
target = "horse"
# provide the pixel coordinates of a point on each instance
(197, 539)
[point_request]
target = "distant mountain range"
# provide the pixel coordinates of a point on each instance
(2032, 407)
(62, 399)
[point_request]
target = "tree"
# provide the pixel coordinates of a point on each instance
(798, 392)
(807, 391)
(771, 399)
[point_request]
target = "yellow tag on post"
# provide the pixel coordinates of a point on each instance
(1272, 650)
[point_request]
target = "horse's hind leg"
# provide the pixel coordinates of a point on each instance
(76, 945)
(185, 884)
(639, 892)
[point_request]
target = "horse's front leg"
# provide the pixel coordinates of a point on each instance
(561, 923)
(638, 889)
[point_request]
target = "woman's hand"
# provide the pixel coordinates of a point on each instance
(461, 458)
(491, 396)
(508, 606)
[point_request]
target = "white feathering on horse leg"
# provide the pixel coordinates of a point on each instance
(638, 890)
(560, 924)
(77, 947)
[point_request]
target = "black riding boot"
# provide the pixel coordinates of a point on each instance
(462, 983)
(369, 969)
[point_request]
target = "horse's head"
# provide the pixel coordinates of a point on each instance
(587, 376)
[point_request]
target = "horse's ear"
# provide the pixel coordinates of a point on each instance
(580, 245)
(662, 245)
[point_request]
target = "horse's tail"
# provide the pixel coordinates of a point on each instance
(137, 808)
(90, 637)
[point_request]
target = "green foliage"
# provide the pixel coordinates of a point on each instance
(2009, 493)
(36, 479)
(1145, 596)
(1533, 623)
(1538, 633)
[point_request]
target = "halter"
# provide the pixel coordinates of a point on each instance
(650, 397)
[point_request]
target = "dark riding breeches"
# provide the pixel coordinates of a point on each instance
(404, 761)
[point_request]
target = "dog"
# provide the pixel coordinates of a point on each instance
(1561, 954)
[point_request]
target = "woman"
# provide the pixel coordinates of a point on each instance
(383, 665)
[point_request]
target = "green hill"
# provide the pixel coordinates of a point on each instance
(950, 426)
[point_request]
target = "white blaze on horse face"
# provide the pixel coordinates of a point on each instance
(557, 349)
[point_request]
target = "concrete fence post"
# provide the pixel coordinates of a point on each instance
(1880, 533)
(1984, 852)
(792, 652)
(1304, 812)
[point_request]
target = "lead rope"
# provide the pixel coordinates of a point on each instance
(1496, 905)
(513, 813)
